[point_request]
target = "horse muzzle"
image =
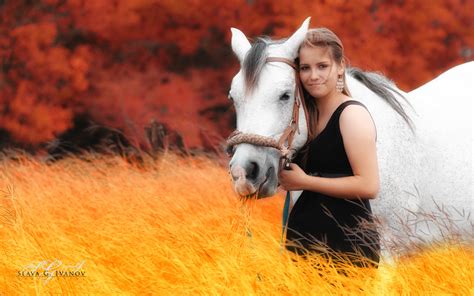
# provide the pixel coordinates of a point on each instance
(254, 176)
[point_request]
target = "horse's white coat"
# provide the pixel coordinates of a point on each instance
(426, 175)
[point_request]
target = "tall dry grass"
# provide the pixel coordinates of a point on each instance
(175, 227)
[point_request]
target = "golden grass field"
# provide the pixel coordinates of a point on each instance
(175, 227)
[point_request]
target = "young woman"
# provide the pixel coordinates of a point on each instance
(340, 171)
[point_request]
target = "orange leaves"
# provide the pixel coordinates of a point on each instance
(424, 39)
(44, 78)
(30, 120)
(126, 62)
(51, 67)
(34, 36)
(134, 98)
(80, 64)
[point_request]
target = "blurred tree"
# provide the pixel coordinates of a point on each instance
(125, 63)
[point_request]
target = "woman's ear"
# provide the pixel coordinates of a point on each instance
(342, 67)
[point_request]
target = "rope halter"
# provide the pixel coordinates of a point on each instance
(238, 137)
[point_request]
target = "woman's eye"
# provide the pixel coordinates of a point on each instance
(285, 97)
(304, 68)
(323, 66)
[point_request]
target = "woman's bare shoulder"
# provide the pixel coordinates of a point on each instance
(356, 120)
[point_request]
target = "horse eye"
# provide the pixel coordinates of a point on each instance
(230, 97)
(285, 97)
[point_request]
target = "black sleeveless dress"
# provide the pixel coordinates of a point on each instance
(335, 227)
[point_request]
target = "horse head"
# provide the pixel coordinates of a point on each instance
(266, 104)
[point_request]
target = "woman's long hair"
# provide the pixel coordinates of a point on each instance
(321, 37)
(375, 82)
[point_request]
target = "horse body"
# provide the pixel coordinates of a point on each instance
(426, 172)
(445, 137)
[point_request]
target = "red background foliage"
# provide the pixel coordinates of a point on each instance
(124, 63)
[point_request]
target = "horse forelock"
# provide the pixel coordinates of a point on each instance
(255, 60)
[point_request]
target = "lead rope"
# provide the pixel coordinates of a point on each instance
(284, 220)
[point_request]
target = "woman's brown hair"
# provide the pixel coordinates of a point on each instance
(321, 37)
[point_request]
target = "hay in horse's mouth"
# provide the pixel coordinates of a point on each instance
(255, 194)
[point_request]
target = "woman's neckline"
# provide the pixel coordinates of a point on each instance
(331, 118)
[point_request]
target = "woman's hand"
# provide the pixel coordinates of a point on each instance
(293, 179)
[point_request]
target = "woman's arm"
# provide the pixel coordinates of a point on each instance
(358, 133)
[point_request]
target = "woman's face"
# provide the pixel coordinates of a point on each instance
(318, 71)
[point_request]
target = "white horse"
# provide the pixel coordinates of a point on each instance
(426, 171)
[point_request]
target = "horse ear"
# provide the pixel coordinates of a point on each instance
(293, 43)
(240, 44)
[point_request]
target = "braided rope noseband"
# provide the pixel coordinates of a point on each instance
(238, 137)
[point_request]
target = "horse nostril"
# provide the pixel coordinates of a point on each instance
(252, 171)
(233, 177)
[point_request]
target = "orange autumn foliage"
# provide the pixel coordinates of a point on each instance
(124, 63)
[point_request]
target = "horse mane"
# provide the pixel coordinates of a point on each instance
(255, 60)
(384, 88)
